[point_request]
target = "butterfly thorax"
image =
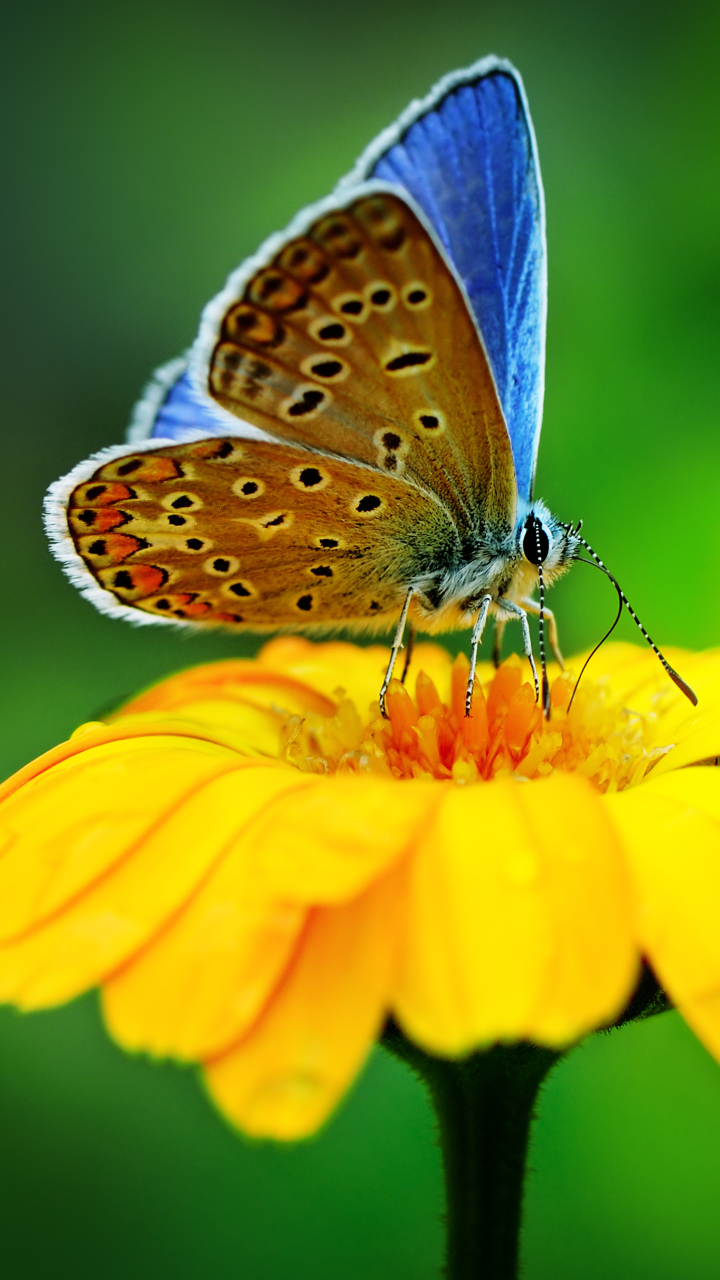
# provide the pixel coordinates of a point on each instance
(496, 563)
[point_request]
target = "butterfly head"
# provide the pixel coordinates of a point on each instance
(545, 543)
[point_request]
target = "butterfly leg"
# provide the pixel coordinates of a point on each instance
(517, 612)
(500, 624)
(533, 607)
(474, 643)
(408, 653)
(397, 645)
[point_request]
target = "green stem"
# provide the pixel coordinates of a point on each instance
(484, 1106)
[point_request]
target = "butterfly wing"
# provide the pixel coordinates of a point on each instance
(248, 533)
(354, 337)
(347, 347)
(172, 409)
(467, 156)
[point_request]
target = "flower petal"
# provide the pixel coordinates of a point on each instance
(234, 681)
(697, 738)
(203, 980)
(107, 921)
(359, 672)
(327, 842)
(671, 828)
(285, 1077)
(695, 731)
(70, 824)
(519, 921)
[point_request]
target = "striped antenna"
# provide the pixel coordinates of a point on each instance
(677, 679)
(541, 626)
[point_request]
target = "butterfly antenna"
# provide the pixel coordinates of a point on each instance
(541, 627)
(623, 600)
(607, 635)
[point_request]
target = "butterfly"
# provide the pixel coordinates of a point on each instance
(352, 439)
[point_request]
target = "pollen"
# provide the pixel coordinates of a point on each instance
(506, 734)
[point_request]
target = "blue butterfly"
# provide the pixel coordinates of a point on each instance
(352, 439)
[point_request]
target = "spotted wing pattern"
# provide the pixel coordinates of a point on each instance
(468, 158)
(223, 531)
(356, 340)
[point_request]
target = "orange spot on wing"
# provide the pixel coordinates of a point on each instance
(94, 520)
(212, 449)
(197, 609)
(140, 580)
(142, 466)
(94, 494)
(110, 548)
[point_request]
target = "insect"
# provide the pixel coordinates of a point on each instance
(352, 439)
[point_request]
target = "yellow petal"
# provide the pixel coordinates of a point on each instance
(203, 980)
(695, 731)
(703, 1014)
(359, 672)
(285, 1077)
(697, 737)
(65, 828)
(519, 918)
(327, 842)
(241, 726)
(634, 679)
(671, 828)
(234, 681)
(100, 928)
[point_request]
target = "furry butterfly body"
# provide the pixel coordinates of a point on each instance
(352, 439)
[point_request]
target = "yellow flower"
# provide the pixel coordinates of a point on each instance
(258, 870)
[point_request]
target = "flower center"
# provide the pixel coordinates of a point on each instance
(506, 733)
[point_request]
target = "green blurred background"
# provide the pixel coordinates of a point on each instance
(148, 147)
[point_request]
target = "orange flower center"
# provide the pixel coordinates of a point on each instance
(506, 733)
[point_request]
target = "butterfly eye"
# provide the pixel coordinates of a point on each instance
(535, 543)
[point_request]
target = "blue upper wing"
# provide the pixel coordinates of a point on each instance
(467, 155)
(171, 409)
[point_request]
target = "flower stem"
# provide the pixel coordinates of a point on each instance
(484, 1105)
